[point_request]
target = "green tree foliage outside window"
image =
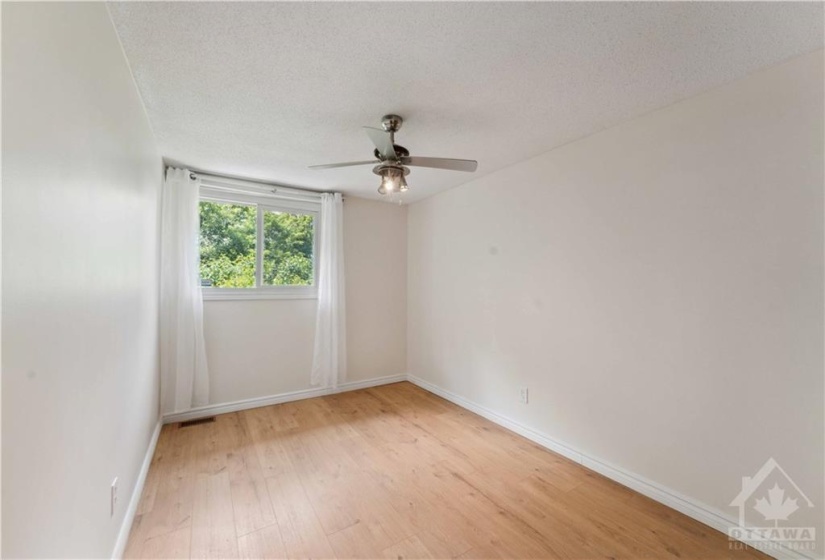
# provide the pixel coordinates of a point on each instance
(227, 246)
(287, 249)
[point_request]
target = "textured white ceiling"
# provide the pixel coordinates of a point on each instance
(262, 90)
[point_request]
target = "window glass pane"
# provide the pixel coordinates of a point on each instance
(227, 244)
(288, 244)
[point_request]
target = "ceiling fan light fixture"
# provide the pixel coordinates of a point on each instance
(392, 178)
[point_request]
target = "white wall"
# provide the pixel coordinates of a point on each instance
(375, 250)
(81, 180)
(260, 348)
(658, 286)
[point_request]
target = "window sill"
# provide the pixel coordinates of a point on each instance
(232, 295)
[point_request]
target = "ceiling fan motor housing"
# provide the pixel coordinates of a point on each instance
(400, 150)
(387, 166)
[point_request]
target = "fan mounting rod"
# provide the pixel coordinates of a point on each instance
(391, 123)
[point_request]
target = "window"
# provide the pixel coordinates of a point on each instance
(254, 246)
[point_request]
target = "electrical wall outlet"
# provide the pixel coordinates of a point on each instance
(523, 395)
(113, 498)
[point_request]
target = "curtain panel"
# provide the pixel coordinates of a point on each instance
(329, 361)
(184, 373)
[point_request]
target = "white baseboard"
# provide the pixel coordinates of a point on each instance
(688, 506)
(134, 500)
(223, 408)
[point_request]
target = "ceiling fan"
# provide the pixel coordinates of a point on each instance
(393, 160)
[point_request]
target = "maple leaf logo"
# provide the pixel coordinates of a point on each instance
(777, 507)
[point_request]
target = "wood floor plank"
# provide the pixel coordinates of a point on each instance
(301, 531)
(153, 477)
(213, 524)
(480, 553)
(169, 545)
(408, 549)
(391, 472)
(270, 443)
(263, 543)
(213, 442)
(172, 504)
(354, 542)
(251, 503)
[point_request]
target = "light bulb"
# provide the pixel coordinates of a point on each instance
(387, 185)
(392, 180)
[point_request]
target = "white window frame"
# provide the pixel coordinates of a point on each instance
(236, 192)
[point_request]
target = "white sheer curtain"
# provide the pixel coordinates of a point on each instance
(329, 360)
(184, 374)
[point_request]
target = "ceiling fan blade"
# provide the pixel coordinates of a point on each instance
(382, 141)
(347, 164)
(441, 163)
